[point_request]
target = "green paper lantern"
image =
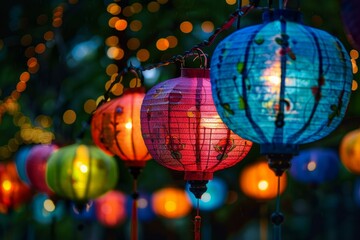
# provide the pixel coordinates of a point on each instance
(80, 172)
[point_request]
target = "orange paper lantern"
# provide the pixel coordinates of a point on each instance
(171, 203)
(258, 181)
(13, 192)
(350, 151)
(115, 128)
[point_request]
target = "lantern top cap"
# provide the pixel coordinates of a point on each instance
(195, 72)
(286, 14)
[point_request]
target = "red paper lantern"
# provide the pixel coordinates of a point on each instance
(36, 166)
(110, 209)
(183, 130)
(115, 128)
(13, 192)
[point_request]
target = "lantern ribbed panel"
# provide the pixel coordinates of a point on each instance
(115, 128)
(315, 165)
(183, 130)
(350, 14)
(79, 172)
(281, 83)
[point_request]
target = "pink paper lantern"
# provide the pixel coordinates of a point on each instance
(36, 166)
(183, 131)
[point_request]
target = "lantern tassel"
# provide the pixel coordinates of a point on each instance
(135, 172)
(134, 220)
(277, 218)
(197, 223)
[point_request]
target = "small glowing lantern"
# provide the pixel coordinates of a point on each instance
(259, 182)
(315, 165)
(281, 84)
(13, 192)
(36, 166)
(349, 12)
(115, 128)
(45, 210)
(171, 203)
(214, 196)
(110, 209)
(80, 172)
(350, 151)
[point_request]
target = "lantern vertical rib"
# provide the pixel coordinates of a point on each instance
(88, 182)
(132, 138)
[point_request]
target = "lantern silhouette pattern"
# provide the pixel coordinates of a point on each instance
(171, 203)
(36, 166)
(183, 131)
(259, 182)
(110, 208)
(349, 12)
(316, 165)
(13, 192)
(280, 83)
(115, 128)
(350, 151)
(80, 172)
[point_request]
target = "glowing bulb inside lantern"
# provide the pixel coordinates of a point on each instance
(6, 185)
(128, 125)
(170, 206)
(142, 203)
(263, 185)
(206, 197)
(84, 168)
(311, 166)
(49, 205)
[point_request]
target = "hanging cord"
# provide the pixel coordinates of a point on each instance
(135, 172)
(239, 19)
(277, 218)
(197, 221)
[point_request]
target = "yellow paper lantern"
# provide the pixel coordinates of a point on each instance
(350, 151)
(171, 203)
(258, 181)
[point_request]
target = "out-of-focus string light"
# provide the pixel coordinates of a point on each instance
(354, 54)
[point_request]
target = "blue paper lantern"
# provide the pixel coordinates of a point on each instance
(20, 161)
(45, 211)
(214, 196)
(315, 165)
(280, 83)
(84, 212)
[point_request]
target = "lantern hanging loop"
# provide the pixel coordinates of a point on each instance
(197, 53)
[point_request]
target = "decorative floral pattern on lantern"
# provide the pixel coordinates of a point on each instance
(171, 203)
(115, 128)
(80, 172)
(183, 131)
(258, 181)
(110, 208)
(36, 166)
(280, 83)
(315, 165)
(349, 13)
(350, 151)
(13, 192)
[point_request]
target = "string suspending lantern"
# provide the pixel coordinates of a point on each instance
(281, 84)
(183, 131)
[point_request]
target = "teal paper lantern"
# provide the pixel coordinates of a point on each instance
(280, 83)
